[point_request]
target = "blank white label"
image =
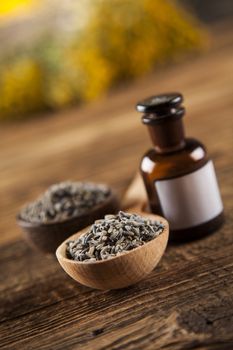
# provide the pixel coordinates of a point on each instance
(190, 200)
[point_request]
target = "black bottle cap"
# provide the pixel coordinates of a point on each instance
(160, 107)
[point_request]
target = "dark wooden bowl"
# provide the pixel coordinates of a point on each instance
(47, 237)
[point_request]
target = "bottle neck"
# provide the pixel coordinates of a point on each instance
(168, 136)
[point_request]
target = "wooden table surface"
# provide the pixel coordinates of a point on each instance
(187, 302)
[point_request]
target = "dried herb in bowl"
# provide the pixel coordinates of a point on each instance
(64, 201)
(113, 235)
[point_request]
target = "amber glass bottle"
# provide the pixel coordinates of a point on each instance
(178, 174)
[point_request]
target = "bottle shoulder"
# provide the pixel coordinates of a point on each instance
(190, 158)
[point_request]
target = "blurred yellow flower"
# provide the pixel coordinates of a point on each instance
(21, 89)
(91, 72)
(135, 36)
(59, 92)
(120, 40)
(9, 6)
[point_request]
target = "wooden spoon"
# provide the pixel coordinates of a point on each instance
(47, 237)
(120, 271)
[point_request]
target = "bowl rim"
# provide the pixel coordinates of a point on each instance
(83, 263)
(110, 198)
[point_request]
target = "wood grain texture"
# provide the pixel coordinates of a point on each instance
(187, 301)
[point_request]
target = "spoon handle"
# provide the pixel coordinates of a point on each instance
(135, 193)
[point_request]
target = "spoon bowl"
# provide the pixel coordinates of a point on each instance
(47, 237)
(120, 271)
